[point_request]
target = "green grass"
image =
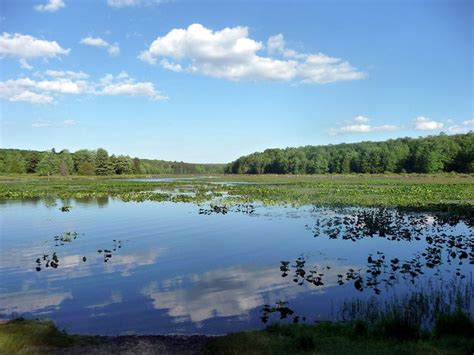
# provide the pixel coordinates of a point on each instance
(335, 338)
(21, 336)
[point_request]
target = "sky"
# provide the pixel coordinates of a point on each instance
(209, 81)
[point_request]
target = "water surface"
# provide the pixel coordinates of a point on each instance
(113, 267)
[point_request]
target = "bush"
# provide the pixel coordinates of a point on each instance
(397, 327)
(458, 324)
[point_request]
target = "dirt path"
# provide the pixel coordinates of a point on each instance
(165, 345)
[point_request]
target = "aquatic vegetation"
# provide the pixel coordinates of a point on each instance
(442, 245)
(281, 308)
(66, 237)
(342, 338)
(422, 308)
(48, 261)
(107, 253)
(444, 193)
(52, 260)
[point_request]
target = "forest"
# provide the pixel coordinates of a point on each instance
(92, 162)
(432, 154)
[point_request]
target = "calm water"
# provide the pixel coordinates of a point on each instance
(110, 267)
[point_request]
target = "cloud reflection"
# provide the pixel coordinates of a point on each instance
(233, 291)
(34, 300)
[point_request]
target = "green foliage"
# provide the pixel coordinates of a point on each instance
(83, 156)
(423, 155)
(136, 166)
(330, 338)
(454, 193)
(49, 164)
(86, 168)
(456, 324)
(103, 165)
(122, 165)
(66, 165)
(24, 336)
(16, 161)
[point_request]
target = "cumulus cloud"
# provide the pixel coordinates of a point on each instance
(124, 85)
(53, 83)
(50, 6)
(426, 124)
(131, 3)
(20, 90)
(231, 54)
(463, 127)
(360, 124)
(25, 46)
(112, 49)
(171, 66)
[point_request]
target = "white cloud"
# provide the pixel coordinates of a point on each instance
(463, 127)
(360, 124)
(124, 85)
(74, 83)
(69, 123)
(276, 44)
(20, 90)
(426, 124)
(131, 3)
(171, 66)
(113, 49)
(41, 124)
(361, 119)
(50, 6)
(24, 64)
(25, 46)
(232, 55)
(67, 74)
(49, 123)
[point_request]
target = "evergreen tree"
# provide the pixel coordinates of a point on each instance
(102, 163)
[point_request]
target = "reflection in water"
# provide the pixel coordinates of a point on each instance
(281, 308)
(117, 244)
(444, 244)
(182, 272)
(21, 302)
(222, 293)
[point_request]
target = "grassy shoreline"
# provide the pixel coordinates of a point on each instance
(43, 337)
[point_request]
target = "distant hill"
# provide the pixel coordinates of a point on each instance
(93, 162)
(442, 153)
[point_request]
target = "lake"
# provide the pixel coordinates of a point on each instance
(104, 266)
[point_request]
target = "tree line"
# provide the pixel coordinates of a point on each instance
(92, 162)
(432, 154)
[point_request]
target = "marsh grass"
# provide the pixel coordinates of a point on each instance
(409, 315)
(332, 338)
(21, 336)
(434, 319)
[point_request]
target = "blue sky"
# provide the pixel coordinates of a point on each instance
(208, 81)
